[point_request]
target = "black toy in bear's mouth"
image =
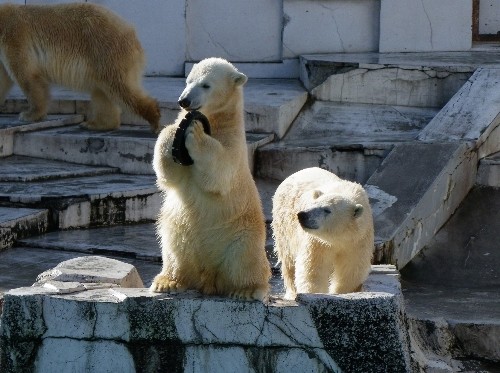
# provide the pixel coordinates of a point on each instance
(180, 153)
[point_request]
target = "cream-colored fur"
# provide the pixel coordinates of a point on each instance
(323, 233)
(81, 46)
(211, 224)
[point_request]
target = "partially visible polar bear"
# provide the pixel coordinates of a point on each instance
(81, 46)
(211, 224)
(323, 233)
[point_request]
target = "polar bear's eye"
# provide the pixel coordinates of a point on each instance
(205, 86)
(327, 211)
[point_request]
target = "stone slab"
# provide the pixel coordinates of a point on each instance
(21, 168)
(420, 201)
(20, 266)
(90, 269)
(471, 115)
(17, 223)
(325, 328)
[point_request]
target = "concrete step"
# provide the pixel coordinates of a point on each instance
(270, 104)
(488, 173)
(408, 79)
(452, 288)
(28, 169)
(130, 148)
(350, 140)
(87, 200)
(17, 223)
(10, 125)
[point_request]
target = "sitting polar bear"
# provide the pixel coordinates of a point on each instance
(211, 225)
(323, 233)
(81, 46)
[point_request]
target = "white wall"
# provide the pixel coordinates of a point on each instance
(256, 31)
(425, 25)
(326, 26)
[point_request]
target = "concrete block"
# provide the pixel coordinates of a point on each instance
(93, 269)
(328, 26)
(248, 31)
(392, 85)
(425, 25)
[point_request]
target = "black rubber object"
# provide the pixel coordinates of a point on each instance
(180, 153)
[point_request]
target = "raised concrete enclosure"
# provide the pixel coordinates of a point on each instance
(393, 94)
(91, 314)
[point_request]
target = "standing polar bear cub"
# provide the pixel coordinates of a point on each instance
(211, 224)
(80, 46)
(323, 233)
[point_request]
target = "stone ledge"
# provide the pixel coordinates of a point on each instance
(118, 329)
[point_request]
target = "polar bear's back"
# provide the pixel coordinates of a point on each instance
(88, 41)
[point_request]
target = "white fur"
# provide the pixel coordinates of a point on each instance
(330, 252)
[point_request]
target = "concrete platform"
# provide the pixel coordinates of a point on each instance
(348, 139)
(452, 288)
(270, 104)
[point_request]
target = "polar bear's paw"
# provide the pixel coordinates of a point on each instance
(31, 116)
(250, 294)
(195, 135)
(163, 284)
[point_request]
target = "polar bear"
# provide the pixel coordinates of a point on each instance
(211, 224)
(81, 46)
(323, 233)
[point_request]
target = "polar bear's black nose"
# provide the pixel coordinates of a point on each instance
(185, 103)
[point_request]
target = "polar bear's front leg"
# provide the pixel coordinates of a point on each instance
(213, 170)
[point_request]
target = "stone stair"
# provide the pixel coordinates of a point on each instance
(412, 128)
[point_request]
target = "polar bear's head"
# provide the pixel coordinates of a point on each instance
(212, 86)
(330, 216)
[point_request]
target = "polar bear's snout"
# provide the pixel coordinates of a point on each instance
(310, 219)
(184, 103)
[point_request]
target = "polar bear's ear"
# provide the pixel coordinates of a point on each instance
(317, 194)
(358, 210)
(239, 78)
